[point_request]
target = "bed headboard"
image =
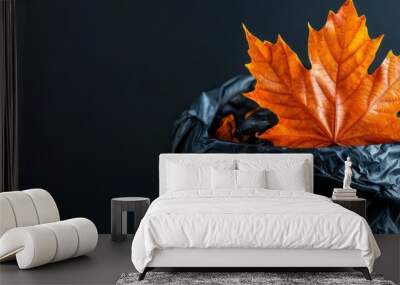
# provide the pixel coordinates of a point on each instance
(209, 157)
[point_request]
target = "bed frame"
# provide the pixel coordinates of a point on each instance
(237, 259)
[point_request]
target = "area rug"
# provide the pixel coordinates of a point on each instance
(244, 278)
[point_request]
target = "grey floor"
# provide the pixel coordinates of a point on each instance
(104, 266)
(110, 260)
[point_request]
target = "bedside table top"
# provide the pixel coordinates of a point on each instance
(349, 200)
(130, 199)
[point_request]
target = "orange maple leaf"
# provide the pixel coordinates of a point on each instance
(226, 129)
(336, 102)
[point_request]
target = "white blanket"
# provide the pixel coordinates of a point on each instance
(250, 219)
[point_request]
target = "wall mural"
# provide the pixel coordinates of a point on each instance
(333, 110)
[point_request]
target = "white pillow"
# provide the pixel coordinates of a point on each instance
(192, 175)
(282, 174)
(251, 178)
(187, 177)
(223, 179)
(227, 179)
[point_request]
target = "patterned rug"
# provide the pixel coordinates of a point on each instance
(244, 278)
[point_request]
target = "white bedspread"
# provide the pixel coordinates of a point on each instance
(250, 219)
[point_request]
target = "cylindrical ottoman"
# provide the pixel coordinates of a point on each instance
(119, 208)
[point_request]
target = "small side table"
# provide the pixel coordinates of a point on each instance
(119, 208)
(357, 205)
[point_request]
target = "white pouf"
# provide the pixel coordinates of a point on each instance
(31, 232)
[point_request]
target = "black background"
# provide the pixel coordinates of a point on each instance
(102, 81)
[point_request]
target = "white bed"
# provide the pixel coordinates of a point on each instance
(250, 227)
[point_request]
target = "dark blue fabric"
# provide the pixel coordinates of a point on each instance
(376, 167)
